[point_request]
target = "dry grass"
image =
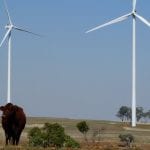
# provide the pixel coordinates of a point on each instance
(108, 138)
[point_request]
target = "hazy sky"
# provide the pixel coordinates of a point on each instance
(68, 73)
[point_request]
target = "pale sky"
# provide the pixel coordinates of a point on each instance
(68, 73)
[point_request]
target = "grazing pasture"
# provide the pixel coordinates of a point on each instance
(101, 136)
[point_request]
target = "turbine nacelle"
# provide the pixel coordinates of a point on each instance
(9, 26)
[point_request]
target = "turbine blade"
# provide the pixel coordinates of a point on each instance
(5, 36)
(119, 19)
(7, 12)
(23, 30)
(142, 19)
(134, 5)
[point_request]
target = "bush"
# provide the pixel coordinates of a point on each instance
(71, 143)
(36, 137)
(55, 134)
(127, 138)
(50, 135)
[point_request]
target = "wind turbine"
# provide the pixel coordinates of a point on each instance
(9, 27)
(134, 15)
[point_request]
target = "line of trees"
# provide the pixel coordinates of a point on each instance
(125, 114)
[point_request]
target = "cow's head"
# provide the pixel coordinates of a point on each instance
(8, 110)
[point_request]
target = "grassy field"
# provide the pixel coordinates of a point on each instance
(107, 139)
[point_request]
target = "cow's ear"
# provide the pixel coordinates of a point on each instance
(2, 108)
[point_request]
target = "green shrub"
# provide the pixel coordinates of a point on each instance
(37, 138)
(55, 134)
(70, 142)
(50, 135)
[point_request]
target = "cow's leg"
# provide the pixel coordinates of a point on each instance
(6, 138)
(6, 141)
(17, 138)
(13, 140)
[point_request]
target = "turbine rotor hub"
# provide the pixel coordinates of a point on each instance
(134, 13)
(8, 26)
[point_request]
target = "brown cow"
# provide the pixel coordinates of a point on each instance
(13, 122)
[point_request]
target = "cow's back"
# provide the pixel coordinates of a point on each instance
(19, 118)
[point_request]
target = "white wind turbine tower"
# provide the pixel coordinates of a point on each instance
(9, 27)
(134, 15)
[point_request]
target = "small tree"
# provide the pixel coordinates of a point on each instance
(146, 115)
(124, 113)
(83, 128)
(139, 113)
